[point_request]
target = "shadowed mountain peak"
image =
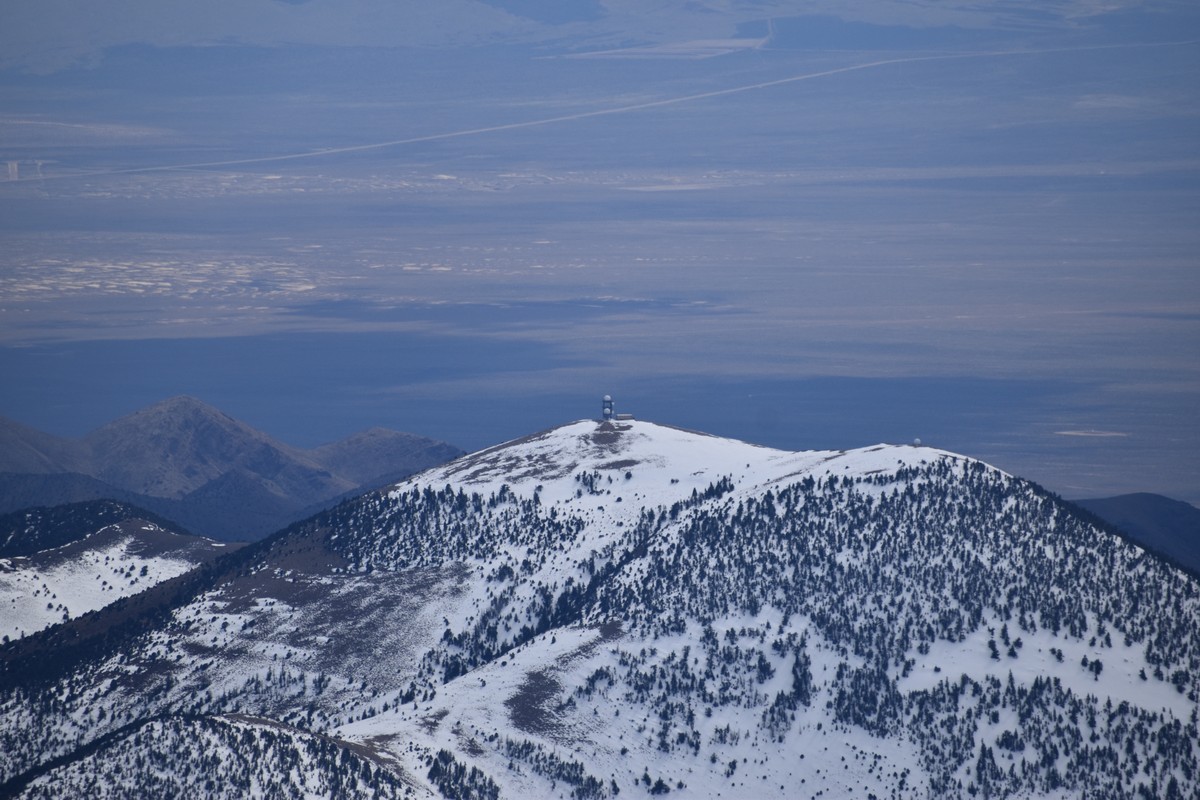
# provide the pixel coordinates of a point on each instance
(191, 443)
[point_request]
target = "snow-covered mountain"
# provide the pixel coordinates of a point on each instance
(114, 560)
(629, 608)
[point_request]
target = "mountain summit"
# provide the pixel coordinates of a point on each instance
(194, 443)
(626, 609)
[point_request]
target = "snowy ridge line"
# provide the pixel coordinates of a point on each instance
(153, 525)
(609, 447)
(68, 519)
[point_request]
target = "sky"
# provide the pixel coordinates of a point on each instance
(807, 225)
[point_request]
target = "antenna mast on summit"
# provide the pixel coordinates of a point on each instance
(607, 408)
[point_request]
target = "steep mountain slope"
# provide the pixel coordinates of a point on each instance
(630, 608)
(193, 464)
(1166, 526)
(115, 560)
(215, 747)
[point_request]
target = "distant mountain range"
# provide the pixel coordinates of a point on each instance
(623, 610)
(197, 466)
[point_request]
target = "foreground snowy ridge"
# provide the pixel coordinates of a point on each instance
(628, 608)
